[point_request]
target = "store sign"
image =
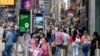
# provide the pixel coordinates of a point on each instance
(6, 2)
(24, 22)
(26, 4)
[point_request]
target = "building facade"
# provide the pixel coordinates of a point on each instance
(94, 16)
(56, 9)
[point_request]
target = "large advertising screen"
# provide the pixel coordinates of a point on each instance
(6, 2)
(39, 22)
(24, 22)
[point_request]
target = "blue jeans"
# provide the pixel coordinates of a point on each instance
(58, 47)
(7, 51)
(75, 49)
(85, 49)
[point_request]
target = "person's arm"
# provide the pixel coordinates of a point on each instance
(82, 39)
(89, 39)
(97, 44)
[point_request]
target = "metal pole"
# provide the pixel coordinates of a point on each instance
(31, 16)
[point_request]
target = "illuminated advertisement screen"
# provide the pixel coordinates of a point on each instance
(6, 2)
(24, 22)
(39, 22)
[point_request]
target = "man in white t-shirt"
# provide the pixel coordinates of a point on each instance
(66, 37)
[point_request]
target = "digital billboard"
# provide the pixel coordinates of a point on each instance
(39, 22)
(24, 22)
(6, 2)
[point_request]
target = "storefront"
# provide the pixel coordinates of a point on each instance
(97, 16)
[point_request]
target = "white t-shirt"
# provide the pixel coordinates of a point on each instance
(66, 37)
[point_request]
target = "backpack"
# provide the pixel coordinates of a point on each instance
(59, 38)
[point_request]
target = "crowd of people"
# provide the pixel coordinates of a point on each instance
(51, 41)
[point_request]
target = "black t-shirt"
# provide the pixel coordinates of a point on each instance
(93, 42)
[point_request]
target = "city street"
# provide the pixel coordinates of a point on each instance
(41, 26)
(20, 54)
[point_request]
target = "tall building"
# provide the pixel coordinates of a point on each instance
(94, 16)
(35, 4)
(56, 9)
(47, 9)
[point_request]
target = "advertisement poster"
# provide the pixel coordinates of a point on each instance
(26, 4)
(24, 22)
(39, 22)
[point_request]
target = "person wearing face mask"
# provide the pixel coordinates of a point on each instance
(26, 41)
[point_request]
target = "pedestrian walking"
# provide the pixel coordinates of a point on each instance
(9, 42)
(33, 44)
(4, 38)
(95, 43)
(75, 40)
(45, 46)
(59, 40)
(15, 40)
(85, 43)
(4, 35)
(26, 41)
(66, 37)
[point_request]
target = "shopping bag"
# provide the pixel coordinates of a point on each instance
(97, 52)
(19, 48)
(2, 46)
(36, 52)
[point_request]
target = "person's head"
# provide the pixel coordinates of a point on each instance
(8, 28)
(13, 28)
(5, 28)
(65, 31)
(34, 36)
(60, 29)
(27, 30)
(45, 40)
(42, 35)
(96, 34)
(85, 33)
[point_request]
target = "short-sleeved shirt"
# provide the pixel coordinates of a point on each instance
(66, 37)
(9, 38)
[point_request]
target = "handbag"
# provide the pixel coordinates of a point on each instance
(97, 52)
(2, 45)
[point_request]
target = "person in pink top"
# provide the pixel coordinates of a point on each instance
(85, 43)
(45, 47)
(33, 44)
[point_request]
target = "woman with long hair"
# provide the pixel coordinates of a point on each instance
(95, 43)
(75, 45)
(85, 43)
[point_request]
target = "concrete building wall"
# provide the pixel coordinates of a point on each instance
(56, 9)
(91, 16)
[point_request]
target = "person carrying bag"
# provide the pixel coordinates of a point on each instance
(97, 50)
